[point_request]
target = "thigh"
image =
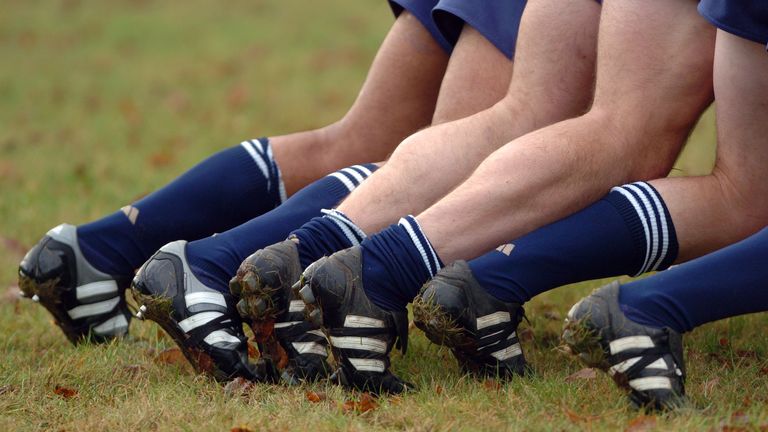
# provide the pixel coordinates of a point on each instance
(654, 66)
(741, 89)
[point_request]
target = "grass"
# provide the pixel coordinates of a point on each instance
(101, 102)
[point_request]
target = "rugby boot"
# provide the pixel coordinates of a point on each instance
(87, 304)
(202, 321)
(455, 311)
(645, 361)
(361, 333)
(263, 283)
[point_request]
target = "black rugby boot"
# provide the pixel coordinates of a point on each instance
(455, 311)
(361, 333)
(263, 283)
(645, 361)
(202, 321)
(87, 304)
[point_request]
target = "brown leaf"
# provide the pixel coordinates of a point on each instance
(578, 418)
(241, 428)
(65, 392)
(438, 389)
(315, 397)
(238, 387)
(723, 342)
(11, 295)
(583, 374)
(641, 423)
(365, 404)
(14, 246)
(491, 384)
(134, 370)
(161, 158)
(764, 370)
(172, 356)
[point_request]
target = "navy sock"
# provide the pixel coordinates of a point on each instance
(396, 263)
(723, 284)
(332, 232)
(629, 231)
(223, 191)
(214, 260)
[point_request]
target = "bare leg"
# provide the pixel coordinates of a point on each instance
(644, 108)
(397, 99)
(728, 205)
(552, 80)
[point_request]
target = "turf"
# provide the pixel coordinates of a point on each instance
(101, 102)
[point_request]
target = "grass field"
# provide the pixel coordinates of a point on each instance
(101, 102)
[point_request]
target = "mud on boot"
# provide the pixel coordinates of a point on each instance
(455, 311)
(361, 333)
(202, 321)
(87, 304)
(263, 284)
(645, 361)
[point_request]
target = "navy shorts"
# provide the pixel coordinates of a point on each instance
(497, 20)
(744, 18)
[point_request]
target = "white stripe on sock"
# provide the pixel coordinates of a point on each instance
(664, 221)
(639, 212)
(407, 225)
(651, 210)
(356, 175)
(342, 178)
(428, 246)
(248, 146)
(364, 169)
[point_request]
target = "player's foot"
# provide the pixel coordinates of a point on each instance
(86, 303)
(263, 284)
(361, 333)
(202, 321)
(646, 361)
(455, 311)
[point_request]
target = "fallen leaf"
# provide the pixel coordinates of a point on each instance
(367, 403)
(723, 342)
(238, 387)
(438, 389)
(764, 370)
(641, 423)
(583, 374)
(14, 246)
(578, 418)
(65, 392)
(395, 400)
(240, 429)
(315, 397)
(490, 384)
(173, 356)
